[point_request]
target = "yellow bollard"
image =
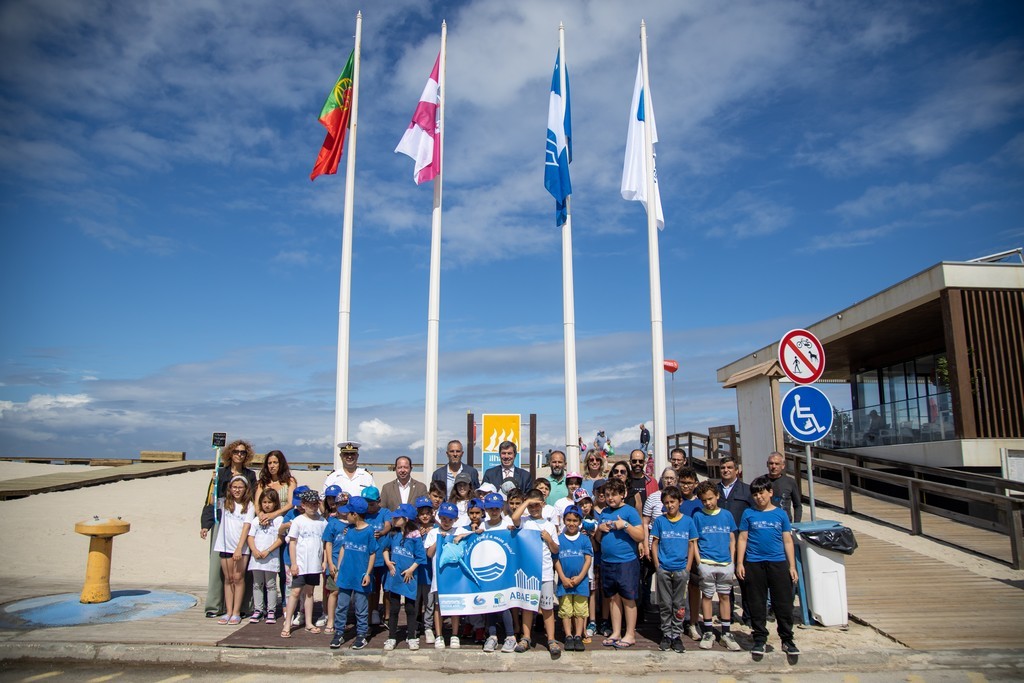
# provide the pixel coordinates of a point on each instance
(101, 534)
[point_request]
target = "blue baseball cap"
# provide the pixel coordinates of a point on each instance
(371, 493)
(405, 510)
(332, 491)
(357, 504)
(296, 495)
(493, 501)
(448, 510)
(424, 502)
(572, 510)
(475, 503)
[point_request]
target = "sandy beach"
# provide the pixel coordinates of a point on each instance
(162, 549)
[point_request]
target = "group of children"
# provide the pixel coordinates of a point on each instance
(592, 545)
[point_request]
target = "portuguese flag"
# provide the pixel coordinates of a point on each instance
(334, 117)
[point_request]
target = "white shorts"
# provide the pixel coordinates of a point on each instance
(716, 578)
(547, 595)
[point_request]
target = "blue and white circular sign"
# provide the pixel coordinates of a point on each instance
(806, 414)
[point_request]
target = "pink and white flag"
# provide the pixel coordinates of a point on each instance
(422, 140)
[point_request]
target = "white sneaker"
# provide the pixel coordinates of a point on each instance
(322, 621)
(491, 643)
(298, 620)
(390, 643)
(729, 641)
(707, 641)
(439, 643)
(455, 644)
(428, 635)
(374, 618)
(692, 631)
(414, 643)
(509, 645)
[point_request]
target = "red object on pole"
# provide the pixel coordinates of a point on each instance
(671, 366)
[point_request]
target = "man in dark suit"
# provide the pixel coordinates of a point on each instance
(403, 488)
(445, 476)
(507, 470)
(734, 495)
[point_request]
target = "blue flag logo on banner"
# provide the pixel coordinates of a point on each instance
(489, 572)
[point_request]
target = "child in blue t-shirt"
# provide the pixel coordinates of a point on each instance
(403, 556)
(572, 564)
(765, 560)
(355, 564)
(380, 519)
(619, 530)
(716, 547)
(673, 543)
(333, 535)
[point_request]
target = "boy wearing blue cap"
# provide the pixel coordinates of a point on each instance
(352, 573)
(572, 564)
(403, 556)
(447, 513)
(380, 519)
(332, 544)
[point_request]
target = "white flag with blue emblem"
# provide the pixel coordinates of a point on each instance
(558, 153)
(634, 176)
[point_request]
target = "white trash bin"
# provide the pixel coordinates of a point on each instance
(824, 576)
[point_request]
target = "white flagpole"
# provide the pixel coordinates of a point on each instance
(659, 436)
(572, 429)
(345, 293)
(434, 303)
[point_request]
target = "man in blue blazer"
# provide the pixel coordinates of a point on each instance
(507, 471)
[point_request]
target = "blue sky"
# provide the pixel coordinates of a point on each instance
(168, 269)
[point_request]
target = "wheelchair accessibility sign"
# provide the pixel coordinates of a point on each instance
(806, 414)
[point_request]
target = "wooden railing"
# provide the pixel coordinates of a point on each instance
(699, 453)
(852, 478)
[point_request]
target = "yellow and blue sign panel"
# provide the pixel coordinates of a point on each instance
(497, 429)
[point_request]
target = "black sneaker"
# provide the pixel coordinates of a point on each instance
(336, 641)
(790, 648)
(757, 649)
(606, 629)
(665, 644)
(677, 646)
(359, 643)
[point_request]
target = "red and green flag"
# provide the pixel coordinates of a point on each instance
(334, 116)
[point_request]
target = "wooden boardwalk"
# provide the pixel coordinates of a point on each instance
(64, 481)
(927, 604)
(941, 529)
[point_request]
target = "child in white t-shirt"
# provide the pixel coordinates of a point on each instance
(264, 544)
(306, 548)
(237, 514)
(530, 515)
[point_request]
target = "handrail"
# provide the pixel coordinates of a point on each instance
(917, 489)
(989, 481)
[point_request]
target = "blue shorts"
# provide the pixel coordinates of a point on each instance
(621, 578)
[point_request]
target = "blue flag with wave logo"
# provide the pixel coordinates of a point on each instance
(491, 572)
(558, 152)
